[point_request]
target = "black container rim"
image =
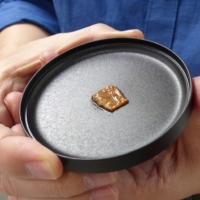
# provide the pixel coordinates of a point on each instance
(130, 159)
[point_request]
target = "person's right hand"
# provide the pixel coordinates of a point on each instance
(28, 170)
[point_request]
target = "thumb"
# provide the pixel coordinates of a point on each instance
(24, 157)
(29, 158)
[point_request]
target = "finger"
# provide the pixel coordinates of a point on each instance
(23, 157)
(14, 78)
(102, 31)
(18, 130)
(190, 136)
(70, 184)
(196, 92)
(12, 102)
(104, 193)
(46, 56)
(92, 33)
(58, 44)
(127, 185)
(194, 120)
(16, 72)
(29, 69)
(5, 117)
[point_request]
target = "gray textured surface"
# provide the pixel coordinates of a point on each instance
(70, 124)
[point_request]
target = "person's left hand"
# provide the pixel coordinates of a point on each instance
(16, 69)
(174, 174)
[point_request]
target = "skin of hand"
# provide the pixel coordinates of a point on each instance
(28, 170)
(16, 35)
(173, 174)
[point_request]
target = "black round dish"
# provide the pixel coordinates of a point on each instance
(56, 107)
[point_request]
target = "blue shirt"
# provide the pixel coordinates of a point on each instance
(173, 23)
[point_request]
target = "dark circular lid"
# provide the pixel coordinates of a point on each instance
(56, 107)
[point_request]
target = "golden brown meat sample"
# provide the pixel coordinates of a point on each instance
(109, 98)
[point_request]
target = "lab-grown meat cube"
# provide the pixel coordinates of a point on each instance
(109, 98)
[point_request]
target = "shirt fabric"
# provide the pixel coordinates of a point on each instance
(172, 23)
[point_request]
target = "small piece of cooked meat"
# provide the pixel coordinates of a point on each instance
(109, 98)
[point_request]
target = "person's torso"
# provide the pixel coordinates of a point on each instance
(173, 23)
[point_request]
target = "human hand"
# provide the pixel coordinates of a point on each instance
(16, 69)
(18, 34)
(173, 174)
(25, 174)
(26, 177)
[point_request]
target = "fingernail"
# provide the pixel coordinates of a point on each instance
(106, 193)
(129, 31)
(134, 33)
(99, 180)
(40, 170)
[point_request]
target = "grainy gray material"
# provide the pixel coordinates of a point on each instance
(66, 115)
(60, 113)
